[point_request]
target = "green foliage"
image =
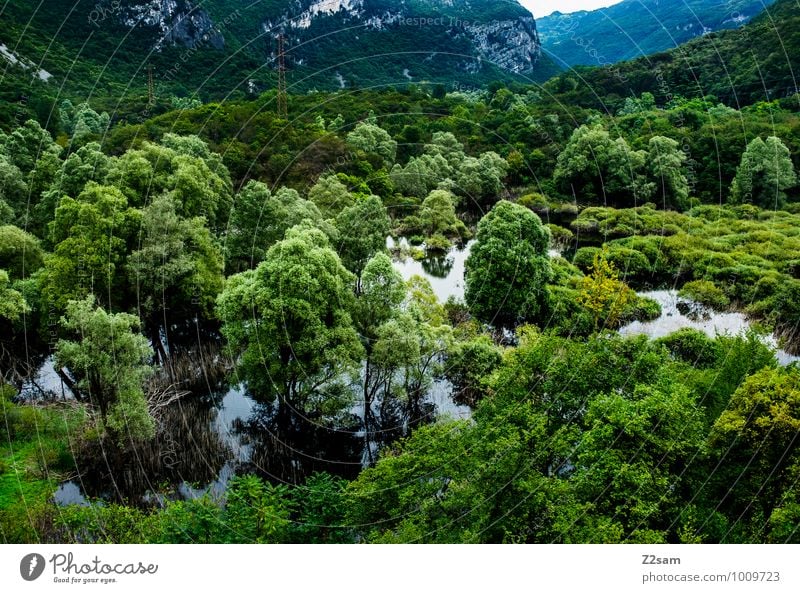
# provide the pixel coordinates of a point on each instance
(109, 360)
(665, 163)
(436, 220)
(756, 436)
(597, 169)
(372, 139)
(511, 464)
(260, 219)
(575, 438)
(705, 293)
(34, 454)
(81, 120)
(508, 267)
(289, 319)
(603, 294)
(321, 504)
(177, 272)
(764, 175)
(255, 512)
(381, 292)
(361, 230)
(91, 235)
(185, 167)
(692, 347)
(330, 195)
(12, 303)
(469, 364)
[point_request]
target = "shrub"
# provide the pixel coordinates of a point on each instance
(566, 316)
(706, 293)
(536, 202)
(437, 243)
(584, 257)
(560, 237)
(631, 264)
(641, 309)
(692, 346)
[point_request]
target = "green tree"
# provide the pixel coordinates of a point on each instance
(330, 195)
(92, 235)
(12, 303)
(86, 164)
(446, 145)
(469, 363)
(185, 167)
(410, 346)
(420, 175)
(602, 170)
(603, 294)
(381, 292)
(764, 175)
(633, 105)
(665, 162)
(508, 268)
(290, 320)
(82, 120)
(109, 360)
(20, 252)
(260, 219)
(14, 193)
(176, 272)
(361, 233)
(27, 144)
(757, 444)
(372, 139)
(437, 216)
(480, 179)
(631, 460)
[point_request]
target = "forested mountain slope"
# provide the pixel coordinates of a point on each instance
(755, 63)
(219, 47)
(635, 28)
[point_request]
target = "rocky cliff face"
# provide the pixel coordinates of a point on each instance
(173, 22)
(509, 42)
(341, 43)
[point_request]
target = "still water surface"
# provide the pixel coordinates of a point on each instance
(246, 435)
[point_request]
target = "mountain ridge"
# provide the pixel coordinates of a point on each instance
(225, 45)
(634, 28)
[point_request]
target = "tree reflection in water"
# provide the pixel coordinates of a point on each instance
(438, 265)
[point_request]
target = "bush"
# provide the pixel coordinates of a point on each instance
(631, 264)
(584, 257)
(536, 202)
(437, 243)
(468, 363)
(641, 309)
(566, 316)
(560, 237)
(706, 293)
(652, 247)
(692, 346)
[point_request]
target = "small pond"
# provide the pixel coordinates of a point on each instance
(678, 313)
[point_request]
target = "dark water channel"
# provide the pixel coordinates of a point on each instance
(220, 431)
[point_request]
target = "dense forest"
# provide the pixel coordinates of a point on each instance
(161, 260)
